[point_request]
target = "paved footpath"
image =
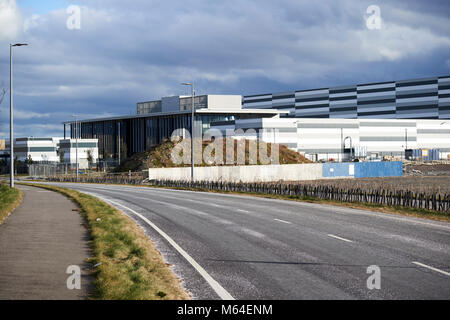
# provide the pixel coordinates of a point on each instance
(38, 241)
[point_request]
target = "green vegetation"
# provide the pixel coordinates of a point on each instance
(10, 198)
(130, 268)
(160, 156)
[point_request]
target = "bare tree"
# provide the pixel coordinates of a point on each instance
(3, 92)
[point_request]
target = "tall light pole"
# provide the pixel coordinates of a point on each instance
(76, 145)
(119, 142)
(192, 127)
(11, 113)
(442, 123)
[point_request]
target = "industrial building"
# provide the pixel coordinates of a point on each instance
(38, 149)
(49, 150)
(85, 149)
(126, 135)
(426, 98)
(340, 139)
(366, 121)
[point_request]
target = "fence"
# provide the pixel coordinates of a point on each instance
(406, 199)
(123, 178)
(39, 170)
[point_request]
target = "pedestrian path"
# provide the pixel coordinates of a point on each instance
(38, 242)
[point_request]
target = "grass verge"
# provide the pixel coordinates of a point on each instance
(10, 198)
(131, 267)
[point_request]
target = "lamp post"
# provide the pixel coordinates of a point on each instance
(192, 127)
(11, 113)
(76, 145)
(440, 153)
(119, 141)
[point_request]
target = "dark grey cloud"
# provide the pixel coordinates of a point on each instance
(129, 51)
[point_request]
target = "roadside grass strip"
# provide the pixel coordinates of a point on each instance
(127, 265)
(10, 198)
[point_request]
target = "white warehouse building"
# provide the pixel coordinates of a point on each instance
(38, 149)
(85, 147)
(326, 139)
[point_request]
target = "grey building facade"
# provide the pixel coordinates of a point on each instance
(426, 98)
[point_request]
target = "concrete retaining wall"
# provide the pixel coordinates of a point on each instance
(285, 172)
(241, 173)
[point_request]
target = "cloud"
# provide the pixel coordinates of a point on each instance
(11, 23)
(141, 51)
(25, 115)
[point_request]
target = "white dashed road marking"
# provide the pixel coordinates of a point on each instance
(339, 238)
(432, 268)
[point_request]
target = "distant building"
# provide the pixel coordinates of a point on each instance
(156, 120)
(370, 120)
(49, 150)
(425, 98)
(325, 139)
(183, 103)
(2, 144)
(68, 150)
(38, 149)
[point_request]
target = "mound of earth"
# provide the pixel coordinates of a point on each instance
(160, 156)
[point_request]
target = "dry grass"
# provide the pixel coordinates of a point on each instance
(10, 198)
(131, 267)
(423, 184)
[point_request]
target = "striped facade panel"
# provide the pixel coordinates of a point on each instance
(284, 101)
(417, 98)
(444, 97)
(312, 104)
(376, 100)
(343, 102)
(258, 102)
(427, 98)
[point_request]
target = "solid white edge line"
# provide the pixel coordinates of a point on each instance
(221, 292)
(431, 268)
(336, 237)
(283, 221)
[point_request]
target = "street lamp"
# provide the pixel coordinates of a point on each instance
(11, 113)
(440, 153)
(76, 145)
(192, 127)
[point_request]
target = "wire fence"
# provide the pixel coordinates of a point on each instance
(406, 199)
(133, 178)
(397, 198)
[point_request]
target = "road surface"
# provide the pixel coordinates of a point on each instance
(240, 247)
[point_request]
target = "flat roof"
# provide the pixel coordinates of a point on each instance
(198, 111)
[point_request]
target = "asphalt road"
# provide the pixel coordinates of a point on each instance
(228, 246)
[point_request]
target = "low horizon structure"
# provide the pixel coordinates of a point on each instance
(38, 149)
(347, 139)
(121, 137)
(280, 172)
(424, 98)
(364, 121)
(87, 152)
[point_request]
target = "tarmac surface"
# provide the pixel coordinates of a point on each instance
(38, 242)
(229, 246)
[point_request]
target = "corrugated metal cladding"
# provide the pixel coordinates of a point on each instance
(426, 154)
(362, 169)
(426, 98)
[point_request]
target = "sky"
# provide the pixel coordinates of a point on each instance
(117, 53)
